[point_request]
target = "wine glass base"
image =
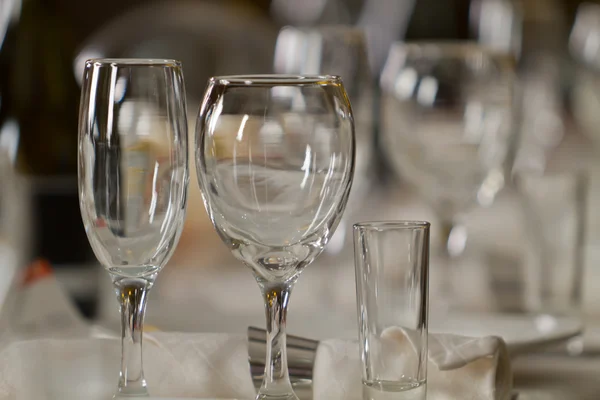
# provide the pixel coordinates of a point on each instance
(285, 396)
(127, 393)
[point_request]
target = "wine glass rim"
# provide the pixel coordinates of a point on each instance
(451, 48)
(448, 44)
(326, 28)
(134, 62)
(276, 80)
(391, 225)
(577, 176)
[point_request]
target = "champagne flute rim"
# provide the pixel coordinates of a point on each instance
(134, 62)
(276, 80)
(391, 225)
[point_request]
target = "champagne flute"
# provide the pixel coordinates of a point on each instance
(275, 161)
(133, 176)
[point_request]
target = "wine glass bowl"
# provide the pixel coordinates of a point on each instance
(133, 177)
(133, 167)
(274, 170)
(447, 118)
(275, 162)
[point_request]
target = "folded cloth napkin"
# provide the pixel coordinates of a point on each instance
(216, 366)
(176, 365)
(459, 368)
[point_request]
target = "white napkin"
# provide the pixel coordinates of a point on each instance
(216, 366)
(176, 365)
(459, 368)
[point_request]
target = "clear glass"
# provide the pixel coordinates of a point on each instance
(133, 176)
(275, 160)
(447, 128)
(583, 46)
(554, 207)
(339, 50)
(498, 24)
(392, 267)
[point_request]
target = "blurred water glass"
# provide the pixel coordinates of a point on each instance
(392, 267)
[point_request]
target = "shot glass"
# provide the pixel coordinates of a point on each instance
(392, 264)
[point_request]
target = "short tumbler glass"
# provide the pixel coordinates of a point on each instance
(392, 263)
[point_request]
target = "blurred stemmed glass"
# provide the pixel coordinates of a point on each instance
(498, 24)
(339, 50)
(275, 160)
(584, 46)
(447, 128)
(133, 176)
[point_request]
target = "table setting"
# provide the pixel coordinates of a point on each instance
(463, 277)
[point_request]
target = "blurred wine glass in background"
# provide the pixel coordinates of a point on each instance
(342, 51)
(447, 129)
(195, 33)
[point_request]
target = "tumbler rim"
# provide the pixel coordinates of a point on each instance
(390, 225)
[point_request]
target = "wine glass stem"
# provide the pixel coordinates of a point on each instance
(132, 294)
(276, 383)
(453, 241)
(447, 225)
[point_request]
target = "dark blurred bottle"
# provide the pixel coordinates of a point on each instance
(41, 95)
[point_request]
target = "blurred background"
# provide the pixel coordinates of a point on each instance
(554, 46)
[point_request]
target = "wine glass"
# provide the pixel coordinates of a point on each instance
(133, 176)
(447, 128)
(275, 161)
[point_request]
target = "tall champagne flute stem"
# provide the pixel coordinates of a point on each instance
(276, 383)
(132, 294)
